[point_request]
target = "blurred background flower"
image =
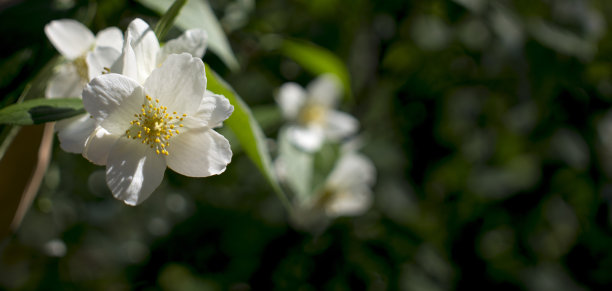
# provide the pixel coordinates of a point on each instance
(487, 121)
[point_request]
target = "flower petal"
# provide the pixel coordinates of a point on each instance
(99, 59)
(325, 90)
(70, 37)
(133, 171)
(179, 84)
(351, 202)
(308, 139)
(110, 37)
(352, 169)
(73, 132)
(98, 145)
(223, 110)
(112, 100)
(290, 98)
(65, 82)
(350, 180)
(145, 45)
(213, 110)
(126, 63)
(192, 41)
(339, 125)
(199, 153)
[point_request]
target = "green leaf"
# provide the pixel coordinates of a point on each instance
(247, 131)
(32, 90)
(42, 110)
(198, 14)
(167, 20)
(297, 167)
(317, 60)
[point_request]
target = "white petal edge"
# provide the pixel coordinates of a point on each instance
(98, 145)
(70, 37)
(110, 37)
(290, 99)
(133, 171)
(339, 125)
(74, 132)
(179, 84)
(145, 45)
(65, 82)
(112, 100)
(126, 63)
(213, 110)
(199, 153)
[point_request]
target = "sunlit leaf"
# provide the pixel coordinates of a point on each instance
(317, 60)
(247, 131)
(42, 110)
(198, 14)
(168, 18)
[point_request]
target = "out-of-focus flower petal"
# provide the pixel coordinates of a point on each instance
(110, 37)
(309, 139)
(192, 41)
(325, 90)
(340, 125)
(291, 98)
(70, 37)
(100, 59)
(65, 83)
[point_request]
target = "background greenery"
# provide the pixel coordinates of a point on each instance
(489, 123)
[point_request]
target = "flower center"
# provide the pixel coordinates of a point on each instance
(312, 113)
(325, 197)
(154, 126)
(81, 66)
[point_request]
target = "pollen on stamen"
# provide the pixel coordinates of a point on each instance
(154, 126)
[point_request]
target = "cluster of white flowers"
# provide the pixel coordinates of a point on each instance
(147, 106)
(313, 121)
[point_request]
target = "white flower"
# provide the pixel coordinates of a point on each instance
(346, 192)
(136, 57)
(312, 115)
(142, 53)
(166, 121)
(87, 57)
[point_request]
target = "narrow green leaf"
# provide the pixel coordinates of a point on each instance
(317, 60)
(167, 19)
(42, 110)
(199, 14)
(247, 131)
(32, 90)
